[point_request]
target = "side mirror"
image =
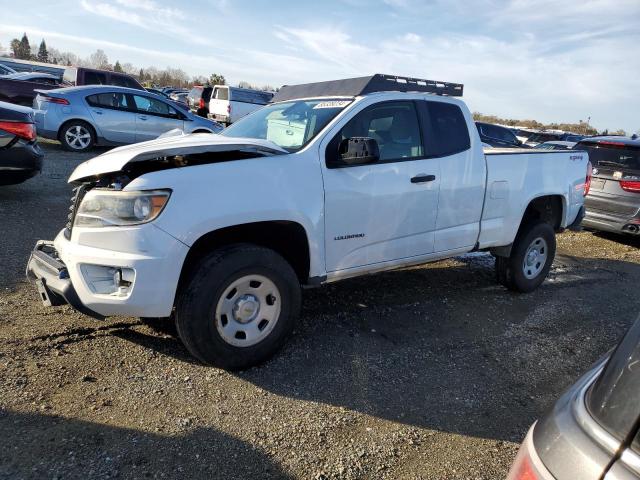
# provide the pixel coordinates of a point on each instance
(358, 151)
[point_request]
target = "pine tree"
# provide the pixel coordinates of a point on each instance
(25, 48)
(43, 54)
(141, 75)
(117, 67)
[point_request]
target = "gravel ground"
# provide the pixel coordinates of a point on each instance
(424, 373)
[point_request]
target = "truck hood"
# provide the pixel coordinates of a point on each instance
(115, 160)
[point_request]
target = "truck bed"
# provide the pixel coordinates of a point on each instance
(512, 171)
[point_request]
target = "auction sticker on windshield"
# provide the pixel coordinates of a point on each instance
(333, 104)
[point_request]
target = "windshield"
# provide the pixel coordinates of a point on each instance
(290, 125)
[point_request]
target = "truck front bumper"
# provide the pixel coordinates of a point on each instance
(51, 278)
(134, 279)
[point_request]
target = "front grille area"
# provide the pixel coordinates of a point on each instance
(78, 195)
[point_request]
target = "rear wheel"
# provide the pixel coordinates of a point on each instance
(531, 257)
(238, 307)
(77, 136)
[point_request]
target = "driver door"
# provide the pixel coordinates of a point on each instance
(154, 117)
(385, 211)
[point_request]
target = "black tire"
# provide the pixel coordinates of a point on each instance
(195, 315)
(511, 271)
(77, 127)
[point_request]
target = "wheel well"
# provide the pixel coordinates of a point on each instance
(548, 208)
(78, 120)
(287, 238)
(201, 131)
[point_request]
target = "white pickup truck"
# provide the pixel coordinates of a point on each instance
(332, 180)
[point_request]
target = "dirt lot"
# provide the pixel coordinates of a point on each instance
(431, 372)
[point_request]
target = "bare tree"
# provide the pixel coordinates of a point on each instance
(99, 59)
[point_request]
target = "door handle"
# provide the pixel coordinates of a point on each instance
(97, 112)
(422, 178)
(142, 117)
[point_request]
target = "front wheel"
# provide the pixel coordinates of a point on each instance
(531, 257)
(238, 307)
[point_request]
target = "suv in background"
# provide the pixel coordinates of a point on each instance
(613, 203)
(592, 431)
(229, 104)
(77, 76)
(198, 99)
(497, 136)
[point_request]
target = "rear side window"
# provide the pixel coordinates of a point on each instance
(222, 94)
(116, 101)
(153, 106)
(613, 398)
(497, 133)
(612, 154)
(195, 92)
(95, 78)
(446, 131)
(248, 96)
(123, 81)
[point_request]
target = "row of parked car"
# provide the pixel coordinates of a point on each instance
(513, 137)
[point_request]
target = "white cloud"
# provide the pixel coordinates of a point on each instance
(152, 7)
(579, 74)
(147, 15)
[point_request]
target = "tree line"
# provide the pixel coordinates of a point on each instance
(175, 77)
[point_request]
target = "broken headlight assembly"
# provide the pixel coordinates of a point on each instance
(109, 208)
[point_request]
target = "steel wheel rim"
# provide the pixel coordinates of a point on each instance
(248, 310)
(77, 137)
(535, 258)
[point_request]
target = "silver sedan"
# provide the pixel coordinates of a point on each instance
(81, 117)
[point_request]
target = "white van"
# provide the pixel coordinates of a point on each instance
(229, 104)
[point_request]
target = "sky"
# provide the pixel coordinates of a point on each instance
(549, 60)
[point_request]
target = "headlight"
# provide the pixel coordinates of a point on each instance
(106, 208)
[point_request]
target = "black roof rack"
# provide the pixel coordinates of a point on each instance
(353, 87)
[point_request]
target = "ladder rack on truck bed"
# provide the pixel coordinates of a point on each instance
(353, 87)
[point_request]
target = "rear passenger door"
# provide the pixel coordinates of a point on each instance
(462, 174)
(383, 212)
(154, 117)
(113, 116)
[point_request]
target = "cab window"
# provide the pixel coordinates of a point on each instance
(393, 125)
(221, 94)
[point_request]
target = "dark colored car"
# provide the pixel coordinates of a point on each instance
(5, 70)
(19, 87)
(20, 155)
(613, 202)
(157, 92)
(592, 432)
(77, 76)
(550, 136)
(556, 145)
(497, 136)
(198, 99)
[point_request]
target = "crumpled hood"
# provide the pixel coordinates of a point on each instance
(115, 160)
